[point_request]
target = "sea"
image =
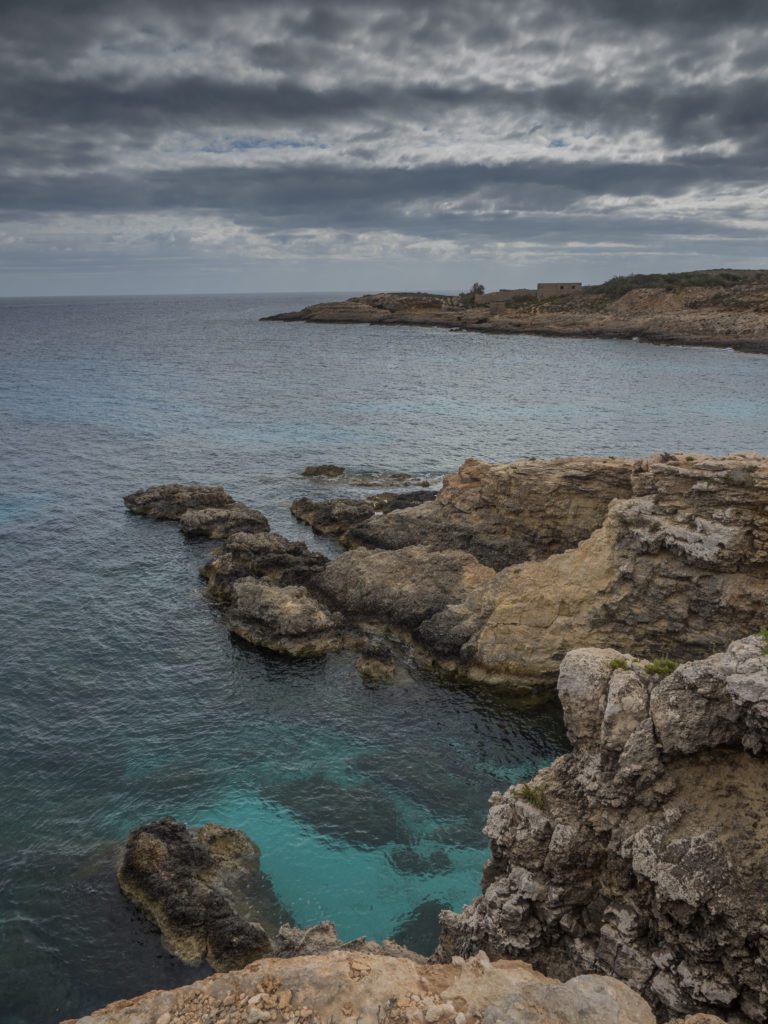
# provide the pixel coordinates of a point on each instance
(124, 699)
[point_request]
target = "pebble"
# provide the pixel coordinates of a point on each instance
(164, 1018)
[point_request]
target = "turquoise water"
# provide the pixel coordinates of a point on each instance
(123, 697)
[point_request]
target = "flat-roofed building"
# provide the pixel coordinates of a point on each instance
(552, 289)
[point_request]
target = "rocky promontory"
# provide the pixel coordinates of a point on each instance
(715, 308)
(643, 852)
(203, 889)
(509, 566)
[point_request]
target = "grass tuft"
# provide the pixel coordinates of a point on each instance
(619, 663)
(533, 796)
(661, 666)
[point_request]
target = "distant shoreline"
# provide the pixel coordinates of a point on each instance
(322, 313)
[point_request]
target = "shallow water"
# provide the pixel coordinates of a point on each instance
(123, 698)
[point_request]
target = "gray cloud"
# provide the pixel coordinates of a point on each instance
(306, 130)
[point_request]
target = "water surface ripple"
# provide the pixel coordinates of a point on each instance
(123, 698)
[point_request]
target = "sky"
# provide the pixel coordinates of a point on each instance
(340, 145)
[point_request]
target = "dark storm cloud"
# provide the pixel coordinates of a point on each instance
(430, 118)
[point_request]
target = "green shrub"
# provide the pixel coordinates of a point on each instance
(532, 796)
(619, 663)
(661, 666)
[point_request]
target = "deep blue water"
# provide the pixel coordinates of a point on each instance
(123, 698)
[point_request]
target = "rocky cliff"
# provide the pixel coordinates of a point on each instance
(643, 852)
(510, 565)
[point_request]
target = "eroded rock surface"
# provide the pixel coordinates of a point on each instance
(171, 501)
(219, 523)
(510, 566)
(643, 853)
(366, 988)
(203, 888)
(337, 516)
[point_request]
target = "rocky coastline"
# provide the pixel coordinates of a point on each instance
(494, 578)
(712, 316)
(632, 871)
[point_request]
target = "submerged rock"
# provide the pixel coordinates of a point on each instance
(376, 661)
(642, 853)
(189, 883)
(171, 501)
(369, 988)
(325, 469)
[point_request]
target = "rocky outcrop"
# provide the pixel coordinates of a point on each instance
(512, 565)
(218, 523)
(260, 556)
(361, 986)
(330, 471)
(203, 888)
(507, 513)
(285, 619)
(643, 853)
(337, 516)
(171, 501)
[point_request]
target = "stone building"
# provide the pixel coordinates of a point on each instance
(550, 290)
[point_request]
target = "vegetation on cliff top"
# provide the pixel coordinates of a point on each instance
(621, 284)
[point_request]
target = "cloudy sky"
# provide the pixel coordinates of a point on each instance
(246, 145)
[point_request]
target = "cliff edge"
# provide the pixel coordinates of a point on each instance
(641, 854)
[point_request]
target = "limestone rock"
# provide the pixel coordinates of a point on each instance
(337, 516)
(284, 619)
(194, 885)
(511, 566)
(323, 938)
(171, 501)
(642, 853)
(370, 988)
(508, 513)
(219, 523)
(265, 556)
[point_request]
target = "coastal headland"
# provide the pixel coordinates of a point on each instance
(716, 308)
(631, 872)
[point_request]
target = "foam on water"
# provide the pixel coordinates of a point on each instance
(123, 697)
